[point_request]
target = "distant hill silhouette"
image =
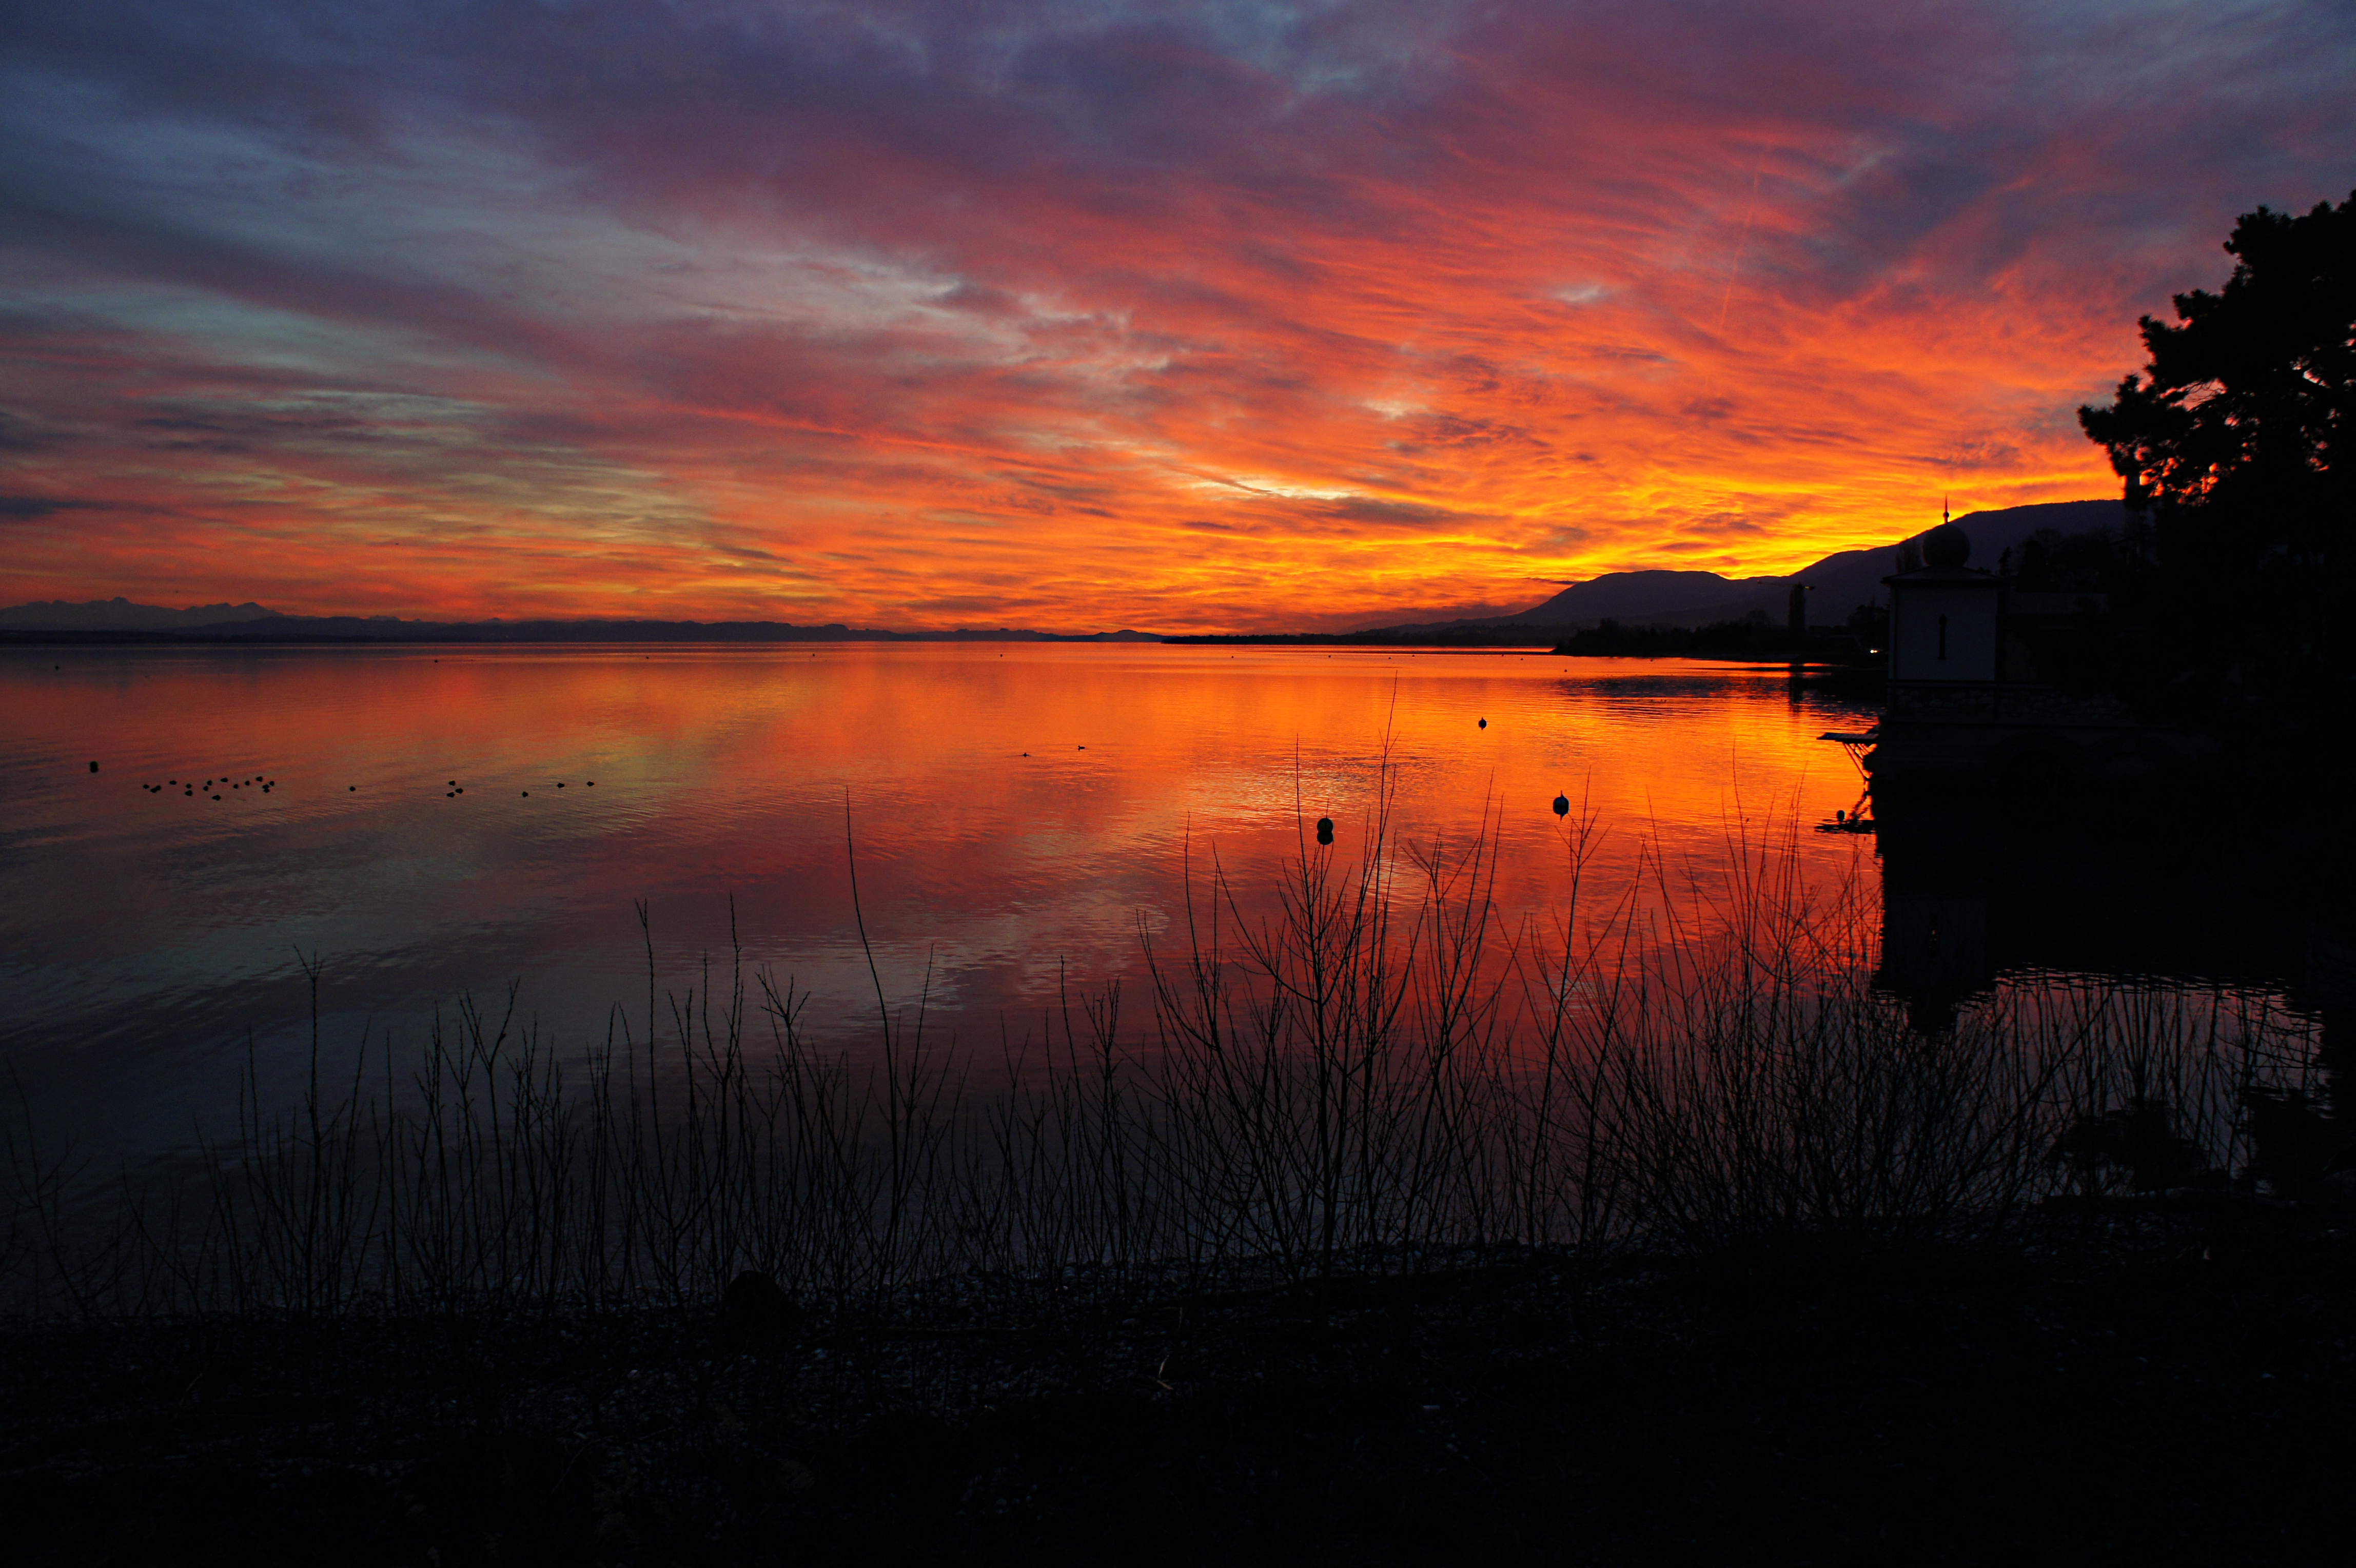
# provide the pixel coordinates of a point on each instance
(119, 620)
(1640, 596)
(122, 615)
(1837, 585)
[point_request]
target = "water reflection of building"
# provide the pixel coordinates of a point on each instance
(1935, 906)
(1969, 892)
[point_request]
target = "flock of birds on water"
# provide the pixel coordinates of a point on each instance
(261, 785)
(264, 786)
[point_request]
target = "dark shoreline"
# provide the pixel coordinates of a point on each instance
(532, 632)
(1816, 665)
(1541, 639)
(2110, 1387)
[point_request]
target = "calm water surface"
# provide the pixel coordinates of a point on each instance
(1017, 812)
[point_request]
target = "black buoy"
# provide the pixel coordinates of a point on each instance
(560, 783)
(1325, 830)
(1484, 724)
(93, 767)
(591, 783)
(527, 794)
(1562, 805)
(351, 787)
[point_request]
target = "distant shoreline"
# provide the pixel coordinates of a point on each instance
(577, 637)
(1542, 638)
(416, 633)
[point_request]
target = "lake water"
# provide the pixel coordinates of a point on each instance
(440, 822)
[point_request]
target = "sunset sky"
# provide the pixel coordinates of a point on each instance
(1078, 313)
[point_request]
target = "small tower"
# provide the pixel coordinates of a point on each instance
(1942, 613)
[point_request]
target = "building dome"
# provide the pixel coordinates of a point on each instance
(1946, 546)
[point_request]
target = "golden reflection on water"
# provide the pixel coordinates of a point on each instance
(1018, 810)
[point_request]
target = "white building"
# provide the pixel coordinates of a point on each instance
(1967, 703)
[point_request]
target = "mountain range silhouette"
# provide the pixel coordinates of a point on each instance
(1837, 585)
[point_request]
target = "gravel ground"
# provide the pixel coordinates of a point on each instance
(2132, 1388)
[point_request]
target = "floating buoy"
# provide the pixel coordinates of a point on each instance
(93, 767)
(1484, 724)
(560, 783)
(591, 783)
(1325, 830)
(1562, 805)
(527, 794)
(351, 787)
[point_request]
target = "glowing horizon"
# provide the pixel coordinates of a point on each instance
(1080, 316)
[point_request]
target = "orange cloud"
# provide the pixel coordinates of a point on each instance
(1250, 318)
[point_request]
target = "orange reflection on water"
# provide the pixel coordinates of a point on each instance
(1018, 810)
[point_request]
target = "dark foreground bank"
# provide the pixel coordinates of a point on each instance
(2135, 1388)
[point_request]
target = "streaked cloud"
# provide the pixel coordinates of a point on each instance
(1085, 315)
